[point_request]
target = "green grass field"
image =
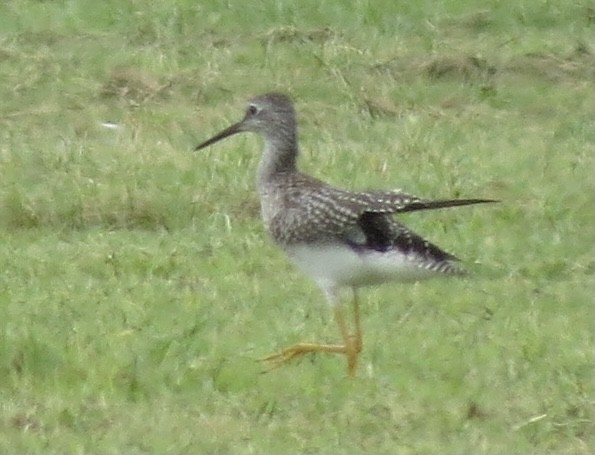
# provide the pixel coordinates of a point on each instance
(138, 287)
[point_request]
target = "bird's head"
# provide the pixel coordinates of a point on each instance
(271, 115)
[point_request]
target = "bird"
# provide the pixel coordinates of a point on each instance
(339, 238)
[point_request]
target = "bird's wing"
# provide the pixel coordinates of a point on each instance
(313, 210)
(380, 232)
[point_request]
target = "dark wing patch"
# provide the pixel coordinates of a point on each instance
(411, 243)
(382, 232)
(379, 230)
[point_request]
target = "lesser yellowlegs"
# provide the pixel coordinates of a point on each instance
(339, 238)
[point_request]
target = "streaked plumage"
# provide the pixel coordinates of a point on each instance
(340, 238)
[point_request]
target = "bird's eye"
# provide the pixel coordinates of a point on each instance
(252, 109)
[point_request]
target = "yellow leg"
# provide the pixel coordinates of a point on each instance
(356, 317)
(351, 347)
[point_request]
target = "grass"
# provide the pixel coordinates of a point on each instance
(138, 286)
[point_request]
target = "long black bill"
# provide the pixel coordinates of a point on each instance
(429, 205)
(233, 129)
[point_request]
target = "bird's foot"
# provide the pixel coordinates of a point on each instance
(351, 350)
(276, 360)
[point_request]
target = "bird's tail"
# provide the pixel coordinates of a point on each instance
(440, 204)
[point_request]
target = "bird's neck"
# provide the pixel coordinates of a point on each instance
(279, 157)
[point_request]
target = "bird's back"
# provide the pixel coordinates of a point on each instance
(349, 237)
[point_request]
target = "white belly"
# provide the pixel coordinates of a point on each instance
(341, 266)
